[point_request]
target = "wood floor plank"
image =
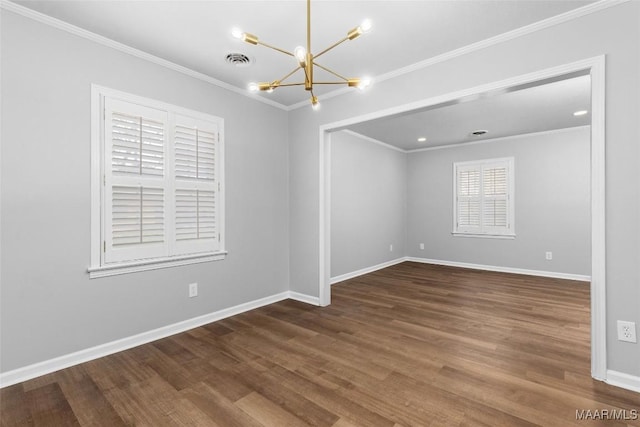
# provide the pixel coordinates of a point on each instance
(409, 345)
(269, 413)
(87, 400)
(14, 409)
(331, 401)
(49, 406)
(220, 410)
(290, 400)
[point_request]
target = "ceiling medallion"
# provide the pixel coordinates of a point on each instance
(307, 61)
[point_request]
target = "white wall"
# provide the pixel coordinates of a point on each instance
(614, 32)
(552, 203)
(368, 203)
(49, 307)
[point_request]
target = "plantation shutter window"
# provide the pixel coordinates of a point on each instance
(468, 198)
(196, 187)
(483, 199)
(495, 212)
(135, 144)
(157, 185)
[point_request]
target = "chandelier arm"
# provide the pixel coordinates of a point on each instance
(275, 48)
(292, 84)
(329, 83)
(338, 43)
(288, 75)
(331, 71)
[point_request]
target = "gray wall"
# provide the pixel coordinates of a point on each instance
(49, 307)
(613, 32)
(552, 203)
(368, 203)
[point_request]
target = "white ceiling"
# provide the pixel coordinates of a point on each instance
(539, 108)
(196, 34)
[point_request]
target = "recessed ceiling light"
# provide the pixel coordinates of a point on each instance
(479, 132)
(422, 139)
(580, 113)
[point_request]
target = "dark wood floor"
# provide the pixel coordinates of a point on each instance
(411, 345)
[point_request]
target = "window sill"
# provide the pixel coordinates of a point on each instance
(485, 236)
(155, 264)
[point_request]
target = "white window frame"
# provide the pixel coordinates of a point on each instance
(99, 171)
(504, 233)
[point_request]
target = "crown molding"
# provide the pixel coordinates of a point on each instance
(501, 38)
(499, 139)
(464, 143)
(80, 32)
(510, 35)
(375, 141)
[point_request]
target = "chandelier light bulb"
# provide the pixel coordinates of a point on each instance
(237, 33)
(301, 55)
(366, 26)
(315, 104)
(253, 87)
(364, 83)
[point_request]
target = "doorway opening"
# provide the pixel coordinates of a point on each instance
(593, 67)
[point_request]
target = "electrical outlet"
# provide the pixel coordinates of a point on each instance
(422, 246)
(193, 290)
(390, 248)
(626, 331)
(548, 256)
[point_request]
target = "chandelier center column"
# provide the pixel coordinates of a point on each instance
(308, 75)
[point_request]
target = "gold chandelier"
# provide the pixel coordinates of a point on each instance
(306, 61)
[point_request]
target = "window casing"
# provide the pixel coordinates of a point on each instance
(483, 202)
(157, 184)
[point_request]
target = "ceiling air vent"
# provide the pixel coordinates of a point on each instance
(238, 59)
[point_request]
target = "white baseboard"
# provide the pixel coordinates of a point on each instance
(48, 366)
(622, 380)
(347, 276)
(499, 269)
(304, 298)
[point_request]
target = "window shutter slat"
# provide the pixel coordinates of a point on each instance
(195, 214)
(137, 215)
(194, 153)
(137, 145)
(469, 213)
(495, 181)
(469, 183)
(495, 213)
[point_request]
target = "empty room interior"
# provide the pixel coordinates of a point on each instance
(327, 213)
